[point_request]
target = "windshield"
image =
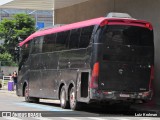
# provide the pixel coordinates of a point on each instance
(127, 35)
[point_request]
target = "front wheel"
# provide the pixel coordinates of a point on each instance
(74, 104)
(27, 98)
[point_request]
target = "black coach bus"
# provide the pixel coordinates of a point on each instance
(102, 59)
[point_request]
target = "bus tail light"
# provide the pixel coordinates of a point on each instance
(151, 77)
(149, 26)
(95, 74)
(103, 23)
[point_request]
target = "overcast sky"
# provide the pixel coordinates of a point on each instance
(4, 1)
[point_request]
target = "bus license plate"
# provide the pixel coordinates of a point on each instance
(124, 95)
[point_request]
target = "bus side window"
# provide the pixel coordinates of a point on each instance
(62, 40)
(85, 36)
(37, 45)
(24, 54)
(49, 43)
(74, 38)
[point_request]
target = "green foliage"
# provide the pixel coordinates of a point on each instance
(24, 25)
(2, 49)
(21, 26)
(6, 59)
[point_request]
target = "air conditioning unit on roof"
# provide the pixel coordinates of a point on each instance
(118, 15)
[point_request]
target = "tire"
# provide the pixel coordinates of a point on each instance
(27, 98)
(74, 104)
(63, 98)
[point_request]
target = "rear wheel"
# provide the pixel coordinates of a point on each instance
(63, 99)
(27, 98)
(74, 104)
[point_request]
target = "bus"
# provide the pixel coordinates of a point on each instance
(106, 59)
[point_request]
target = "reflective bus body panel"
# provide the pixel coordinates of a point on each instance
(124, 66)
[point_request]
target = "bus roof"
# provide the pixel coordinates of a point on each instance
(96, 21)
(86, 23)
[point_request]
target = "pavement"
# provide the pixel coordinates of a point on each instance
(139, 108)
(150, 107)
(13, 93)
(5, 90)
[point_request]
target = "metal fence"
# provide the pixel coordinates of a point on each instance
(5, 80)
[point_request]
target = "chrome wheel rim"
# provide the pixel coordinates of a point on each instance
(62, 98)
(26, 93)
(72, 99)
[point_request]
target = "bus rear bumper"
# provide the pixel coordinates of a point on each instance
(96, 95)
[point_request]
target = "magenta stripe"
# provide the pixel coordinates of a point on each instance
(96, 21)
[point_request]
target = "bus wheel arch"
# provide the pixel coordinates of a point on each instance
(60, 87)
(69, 89)
(26, 94)
(24, 86)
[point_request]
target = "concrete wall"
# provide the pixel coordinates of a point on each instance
(139, 9)
(8, 70)
(83, 11)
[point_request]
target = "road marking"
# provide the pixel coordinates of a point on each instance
(134, 118)
(70, 118)
(12, 118)
(43, 107)
(80, 118)
(122, 118)
(42, 118)
(147, 119)
(97, 118)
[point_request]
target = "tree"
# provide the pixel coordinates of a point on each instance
(6, 32)
(21, 26)
(6, 59)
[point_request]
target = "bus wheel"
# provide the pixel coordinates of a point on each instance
(63, 101)
(26, 94)
(74, 105)
(27, 98)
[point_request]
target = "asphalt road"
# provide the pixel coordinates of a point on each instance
(11, 105)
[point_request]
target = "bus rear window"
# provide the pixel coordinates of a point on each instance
(127, 35)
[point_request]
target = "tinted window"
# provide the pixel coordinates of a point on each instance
(25, 50)
(127, 35)
(62, 40)
(24, 54)
(49, 43)
(37, 45)
(85, 37)
(74, 38)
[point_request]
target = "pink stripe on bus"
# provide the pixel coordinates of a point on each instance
(96, 21)
(86, 23)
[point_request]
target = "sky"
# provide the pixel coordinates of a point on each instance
(4, 1)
